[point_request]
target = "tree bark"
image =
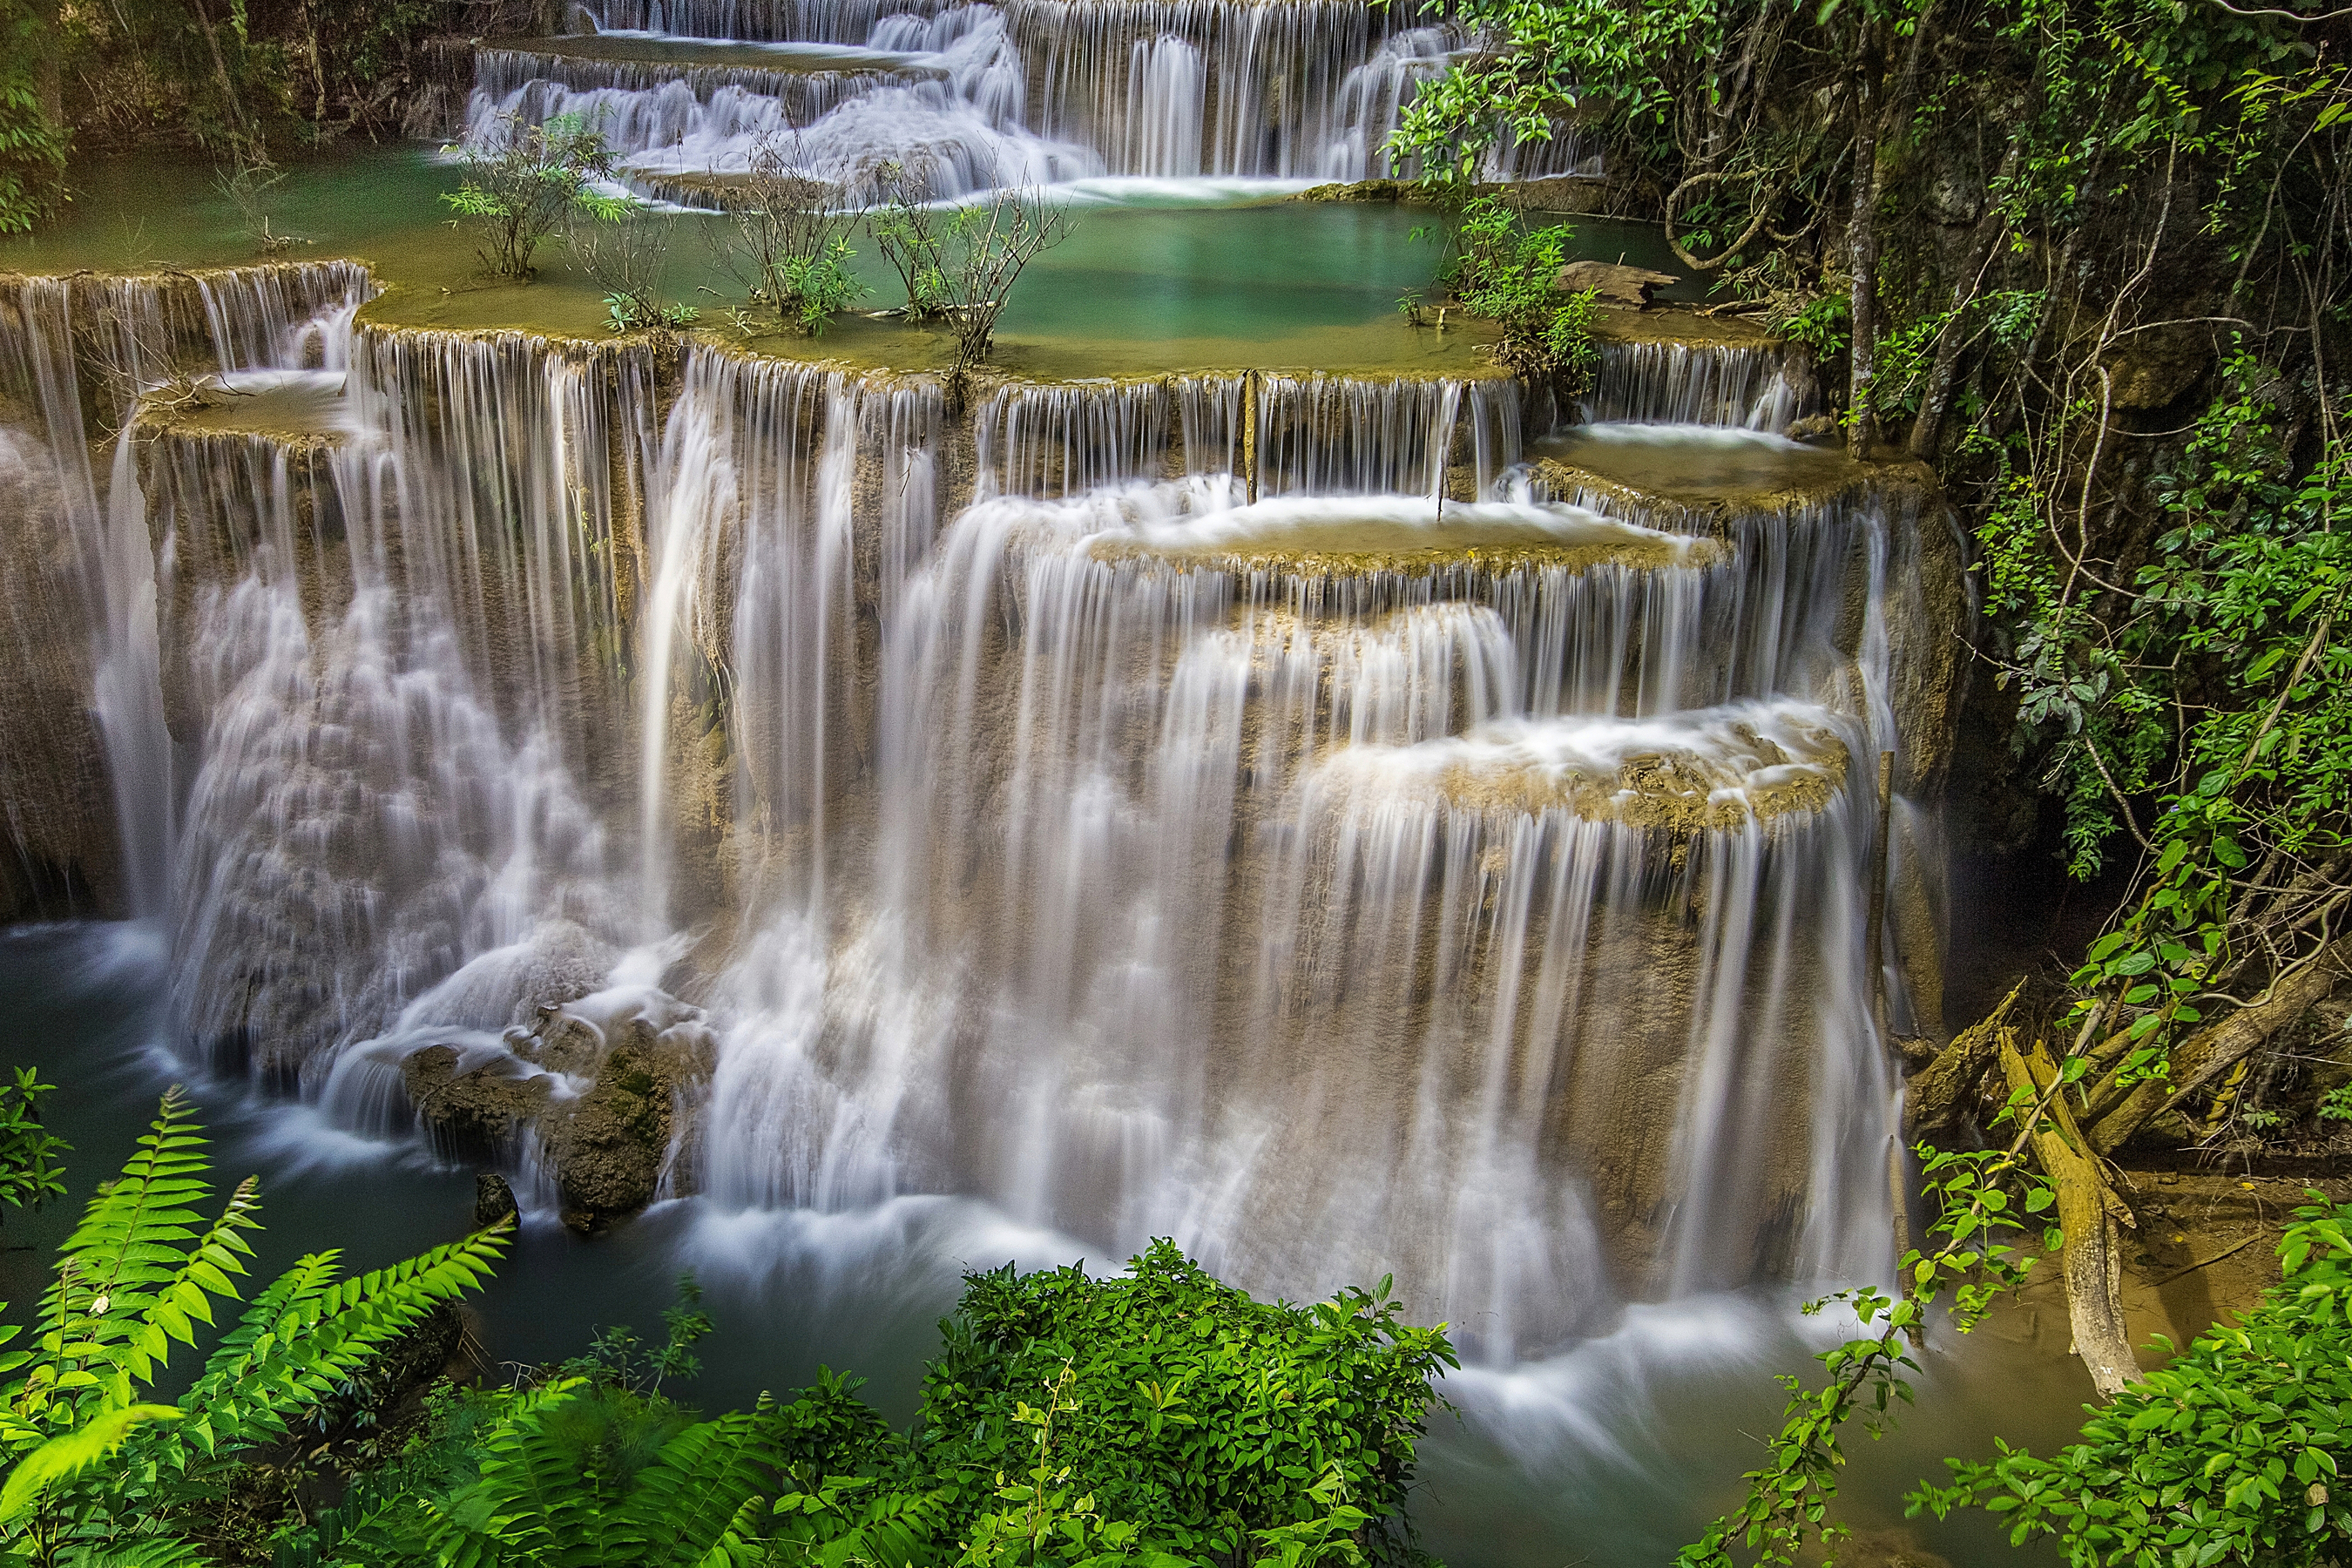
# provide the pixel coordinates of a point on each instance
(2207, 1054)
(2092, 1262)
(1945, 1090)
(1862, 253)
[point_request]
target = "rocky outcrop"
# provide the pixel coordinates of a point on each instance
(58, 842)
(598, 1092)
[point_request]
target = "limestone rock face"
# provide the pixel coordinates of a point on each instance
(1614, 284)
(2148, 370)
(59, 856)
(608, 1145)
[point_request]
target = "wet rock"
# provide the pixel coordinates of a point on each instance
(1613, 283)
(608, 1146)
(1360, 191)
(2151, 369)
(494, 1200)
(474, 1105)
(1815, 427)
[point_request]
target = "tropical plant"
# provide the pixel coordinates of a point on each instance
(96, 1470)
(788, 242)
(527, 181)
(960, 264)
(625, 251)
(1510, 274)
(32, 143)
(1151, 1419)
(29, 1168)
(1985, 1204)
(2231, 1453)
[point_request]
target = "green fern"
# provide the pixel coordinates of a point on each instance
(140, 1271)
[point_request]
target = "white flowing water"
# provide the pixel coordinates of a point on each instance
(1040, 91)
(1381, 875)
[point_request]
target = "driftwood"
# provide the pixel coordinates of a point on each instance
(1945, 1093)
(2210, 1052)
(2091, 1215)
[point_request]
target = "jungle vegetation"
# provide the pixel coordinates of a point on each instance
(2085, 258)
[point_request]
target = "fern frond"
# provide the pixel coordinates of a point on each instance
(308, 1332)
(159, 1551)
(62, 1457)
(517, 1509)
(687, 1499)
(143, 1263)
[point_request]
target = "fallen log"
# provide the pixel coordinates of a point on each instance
(2212, 1051)
(1945, 1091)
(2091, 1263)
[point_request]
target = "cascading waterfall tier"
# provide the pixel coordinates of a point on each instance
(1415, 865)
(74, 354)
(970, 95)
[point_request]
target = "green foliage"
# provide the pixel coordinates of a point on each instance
(1614, 62)
(140, 1272)
(30, 1171)
(1173, 1419)
(787, 240)
(1510, 274)
(32, 145)
(2230, 1453)
(537, 177)
(1984, 1204)
(1203, 1415)
(810, 290)
(2223, 687)
(959, 265)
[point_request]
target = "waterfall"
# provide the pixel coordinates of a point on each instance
(1039, 90)
(132, 333)
(1394, 868)
(1758, 387)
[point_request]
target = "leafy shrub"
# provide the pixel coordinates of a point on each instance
(31, 146)
(2231, 1453)
(536, 177)
(959, 265)
(1198, 1412)
(788, 242)
(29, 1172)
(1175, 1419)
(1510, 275)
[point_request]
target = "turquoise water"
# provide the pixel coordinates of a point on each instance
(1157, 275)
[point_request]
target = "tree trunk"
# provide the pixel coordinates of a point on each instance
(1862, 253)
(2207, 1054)
(1945, 1091)
(2092, 1262)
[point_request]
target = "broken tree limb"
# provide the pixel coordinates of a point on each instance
(2210, 1052)
(1945, 1090)
(2092, 1260)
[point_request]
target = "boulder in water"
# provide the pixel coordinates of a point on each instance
(608, 1146)
(473, 1108)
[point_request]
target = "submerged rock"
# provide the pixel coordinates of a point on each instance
(494, 1200)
